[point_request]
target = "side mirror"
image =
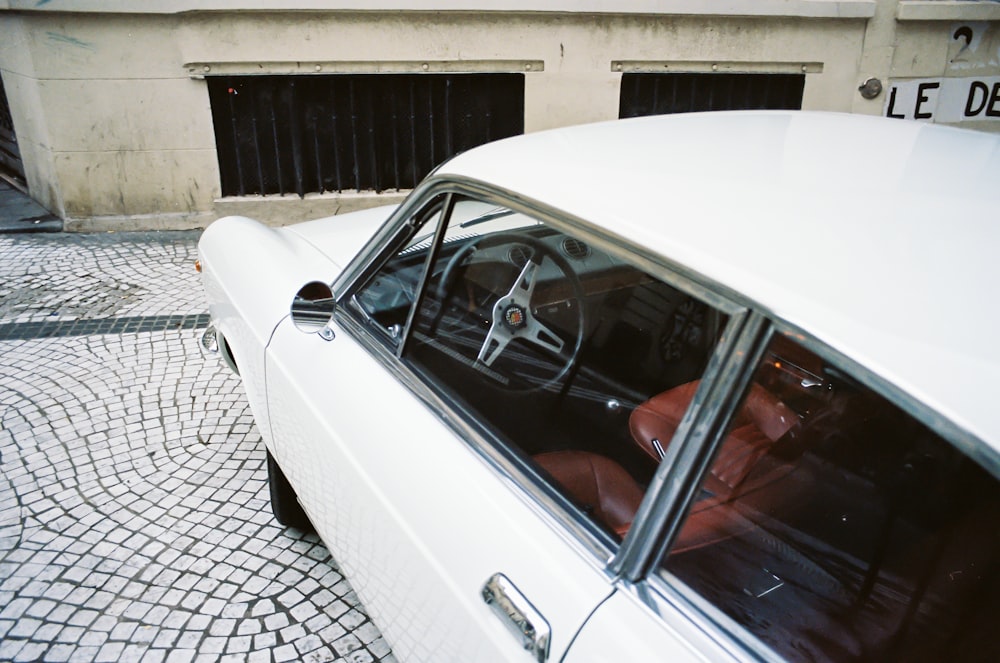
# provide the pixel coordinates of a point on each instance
(312, 308)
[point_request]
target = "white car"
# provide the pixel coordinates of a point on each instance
(696, 387)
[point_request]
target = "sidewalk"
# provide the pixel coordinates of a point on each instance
(135, 523)
(20, 214)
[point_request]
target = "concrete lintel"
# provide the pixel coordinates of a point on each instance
(948, 10)
(798, 8)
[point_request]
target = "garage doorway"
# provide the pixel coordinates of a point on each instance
(11, 166)
(662, 93)
(303, 134)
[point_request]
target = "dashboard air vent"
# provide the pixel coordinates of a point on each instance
(575, 249)
(519, 255)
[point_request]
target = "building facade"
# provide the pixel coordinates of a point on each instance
(170, 113)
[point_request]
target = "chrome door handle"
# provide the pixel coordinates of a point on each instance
(526, 623)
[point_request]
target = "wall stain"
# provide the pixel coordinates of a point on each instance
(71, 41)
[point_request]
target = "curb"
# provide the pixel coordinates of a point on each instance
(19, 213)
(43, 224)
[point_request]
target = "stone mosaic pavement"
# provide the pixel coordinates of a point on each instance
(134, 514)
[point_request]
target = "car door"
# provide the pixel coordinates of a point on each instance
(418, 521)
(422, 523)
(463, 441)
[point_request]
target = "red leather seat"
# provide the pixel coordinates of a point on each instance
(599, 485)
(736, 471)
(605, 490)
(762, 420)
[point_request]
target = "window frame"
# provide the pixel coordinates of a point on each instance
(513, 469)
(411, 224)
(662, 591)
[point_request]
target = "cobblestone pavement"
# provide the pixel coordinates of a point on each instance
(134, 515)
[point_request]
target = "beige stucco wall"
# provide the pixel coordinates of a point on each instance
(108, 123)
(112, 113)
(917, 39)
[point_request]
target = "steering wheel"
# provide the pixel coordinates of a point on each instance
(512, 314)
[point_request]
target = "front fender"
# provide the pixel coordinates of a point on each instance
(251, 273)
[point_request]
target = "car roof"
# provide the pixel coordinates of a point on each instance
(879, 237)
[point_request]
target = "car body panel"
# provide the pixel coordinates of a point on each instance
(251, 274)
(666, 636)
(340, 237)
(391, 517)
(876, 262)
(264, 267)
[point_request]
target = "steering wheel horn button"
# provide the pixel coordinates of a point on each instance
(515, 316)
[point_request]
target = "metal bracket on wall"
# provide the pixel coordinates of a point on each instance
(710, 66)
(199, 70)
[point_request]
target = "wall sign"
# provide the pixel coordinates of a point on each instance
(944, 99)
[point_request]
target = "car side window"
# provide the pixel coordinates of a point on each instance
(386, 299)
(549, 343)
(834, 526)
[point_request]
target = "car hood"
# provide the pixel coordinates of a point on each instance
(340, 237)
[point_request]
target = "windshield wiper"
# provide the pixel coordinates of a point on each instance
(498, 213)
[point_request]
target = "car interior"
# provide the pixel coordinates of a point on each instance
(830, 524)
(858, 534)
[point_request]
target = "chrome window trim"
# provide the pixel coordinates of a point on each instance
(693, 446)
(964, 441)
(371, 256)
(689, 282)
(699, 435)
(376, 250)
(393, 234)
(447, 206)
(669, 598)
